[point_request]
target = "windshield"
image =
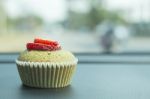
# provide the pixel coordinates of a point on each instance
(81, 26)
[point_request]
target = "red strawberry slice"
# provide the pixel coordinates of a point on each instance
(42, 47)
(47, 42)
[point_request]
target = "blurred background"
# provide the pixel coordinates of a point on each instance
(81, 26)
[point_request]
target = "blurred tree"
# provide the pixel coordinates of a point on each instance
(141, 29)
(26, 23)
(3, 19)
(93, 17)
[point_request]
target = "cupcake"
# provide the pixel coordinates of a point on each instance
(46, 65)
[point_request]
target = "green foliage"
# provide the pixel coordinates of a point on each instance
(27, 23)
(32, 18)
(141, 29)
(91, 19)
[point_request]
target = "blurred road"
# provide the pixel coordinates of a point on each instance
(75, 42)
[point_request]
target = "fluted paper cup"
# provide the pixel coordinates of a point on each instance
(46, 74)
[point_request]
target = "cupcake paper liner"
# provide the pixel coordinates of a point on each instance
(46, 74)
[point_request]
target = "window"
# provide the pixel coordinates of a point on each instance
(79, 25)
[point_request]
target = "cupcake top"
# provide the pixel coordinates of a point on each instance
(45, 51)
